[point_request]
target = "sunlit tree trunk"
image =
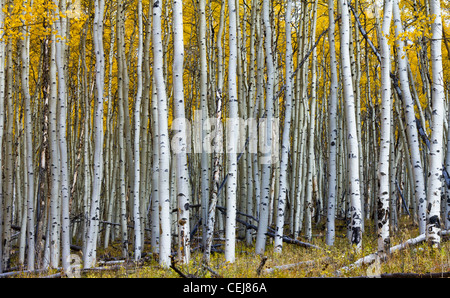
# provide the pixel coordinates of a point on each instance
(183, 195)
(351, 138)
(55, 219)
(385, 138)
(94, 214)
(137, 140)
(408, 105)
(164, 146)
(232, 141)
(436, 143)
(332, 130)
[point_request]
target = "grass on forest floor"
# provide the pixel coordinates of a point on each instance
(418, 259)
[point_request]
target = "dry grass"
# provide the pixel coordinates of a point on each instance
(418, 259)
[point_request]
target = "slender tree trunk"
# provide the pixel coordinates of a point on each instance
(183, 195)
(164, 146)
(384, 161)
(408, 105)
(436, 142)
(332, 130)
(232, 137)
(266, 161)
(2, 127)
(204, 109)
(137, 140)
(154, 210)
(286, 135)
(216, 177)
(351, 137)
(54, 162)
(94, 215)
(121, 88)
(29, 149)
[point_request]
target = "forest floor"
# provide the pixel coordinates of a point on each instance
(302, 262)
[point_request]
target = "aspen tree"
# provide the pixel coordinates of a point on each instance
(154, 209)
(266, 166)
(137, 136)
(254, 189)
(286, 134)
(54, 161)
(94, 213)
(332, 130)
(411, 126)
(60, 64)
(2, 121)
(122, 92)
(232, 137)
(351, 137)
(182, 193)
(25, 48)
(216, 177)
(436, 143)
(311, 136)
(164, 145)
(385, 137)
(110, 169)
(204, 163)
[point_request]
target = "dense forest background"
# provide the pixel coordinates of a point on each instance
(169, 127)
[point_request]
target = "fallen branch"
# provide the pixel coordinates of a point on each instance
(367, 260)
(416, 275)
(409, 275)
(214, 273)
(294, 241)
(289, 266)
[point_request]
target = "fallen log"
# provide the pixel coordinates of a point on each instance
(369, 259)
(288, 266)
(410, 275)
(416, 275)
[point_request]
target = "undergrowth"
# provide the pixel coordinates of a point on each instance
(327, 261)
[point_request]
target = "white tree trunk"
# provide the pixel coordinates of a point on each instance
(183, 195)
(232, 132)
(411, 128)
(266, 161)
(351, 138)
(218, 148)
(137, 140)
(164, 145)
(332, 130)
(436, 142)
(154, 209)
(386, 106)
(54, 162)
(278, 244)
(204, 162)
(94, 214)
